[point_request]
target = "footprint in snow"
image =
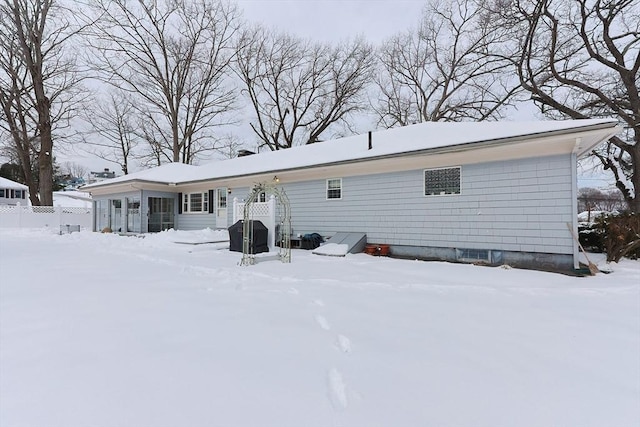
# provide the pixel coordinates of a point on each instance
(344, 344)
(322, 321)
(337, 389)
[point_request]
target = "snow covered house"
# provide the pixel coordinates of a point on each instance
(13, 193)
(497, 192)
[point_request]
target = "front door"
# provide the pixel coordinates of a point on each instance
(160, 214)
(221, 208)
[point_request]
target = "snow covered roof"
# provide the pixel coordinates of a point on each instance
(391, 142)
(71, 199)
(165, 174)
(7, 183)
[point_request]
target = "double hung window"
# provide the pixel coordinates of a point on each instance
(195, 202)
(334, 188)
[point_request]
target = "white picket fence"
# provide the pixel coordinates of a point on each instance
(45, 216)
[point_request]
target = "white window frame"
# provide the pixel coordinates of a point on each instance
(327, 189)
(204, 203)
(424, 182)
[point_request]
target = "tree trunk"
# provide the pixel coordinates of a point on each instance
(45, 172)
(45, 156)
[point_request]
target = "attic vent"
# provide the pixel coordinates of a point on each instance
(244, 153)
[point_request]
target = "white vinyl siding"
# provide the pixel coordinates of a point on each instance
(517, 205)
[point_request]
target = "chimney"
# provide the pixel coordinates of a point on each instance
(370, 143)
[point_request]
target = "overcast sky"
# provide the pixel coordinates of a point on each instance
(336, 19)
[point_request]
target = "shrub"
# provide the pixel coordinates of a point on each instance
(621, 236)
(591, 236)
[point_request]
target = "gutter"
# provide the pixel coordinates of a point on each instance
(106, 183)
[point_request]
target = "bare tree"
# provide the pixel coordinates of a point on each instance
(155, 139)
(230, 145)
(115, 133)
(580, 59)
(449, 69)
(38, 85)
(298, 89)
(74, 169)
(172, 57)
(593, 199)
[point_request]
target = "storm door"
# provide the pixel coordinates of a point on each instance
(115, 215)
(133, 215)
(221, 208)
(160, 214)
(101, 213)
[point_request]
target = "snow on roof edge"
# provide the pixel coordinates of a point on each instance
(386, 143)
(7, 183)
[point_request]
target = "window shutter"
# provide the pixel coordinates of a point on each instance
(210, 201)
(179, 203)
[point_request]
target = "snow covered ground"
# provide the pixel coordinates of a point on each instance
(104, 330)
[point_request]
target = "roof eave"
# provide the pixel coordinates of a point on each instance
(611, 125)
(468, 146)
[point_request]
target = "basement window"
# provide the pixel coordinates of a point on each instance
(473, 255)
(442, 181)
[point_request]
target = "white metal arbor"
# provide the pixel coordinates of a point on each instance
(283, 222)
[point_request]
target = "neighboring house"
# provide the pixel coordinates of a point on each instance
(13, 193)
(101, 176)
(70, 183)
(495, 192)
